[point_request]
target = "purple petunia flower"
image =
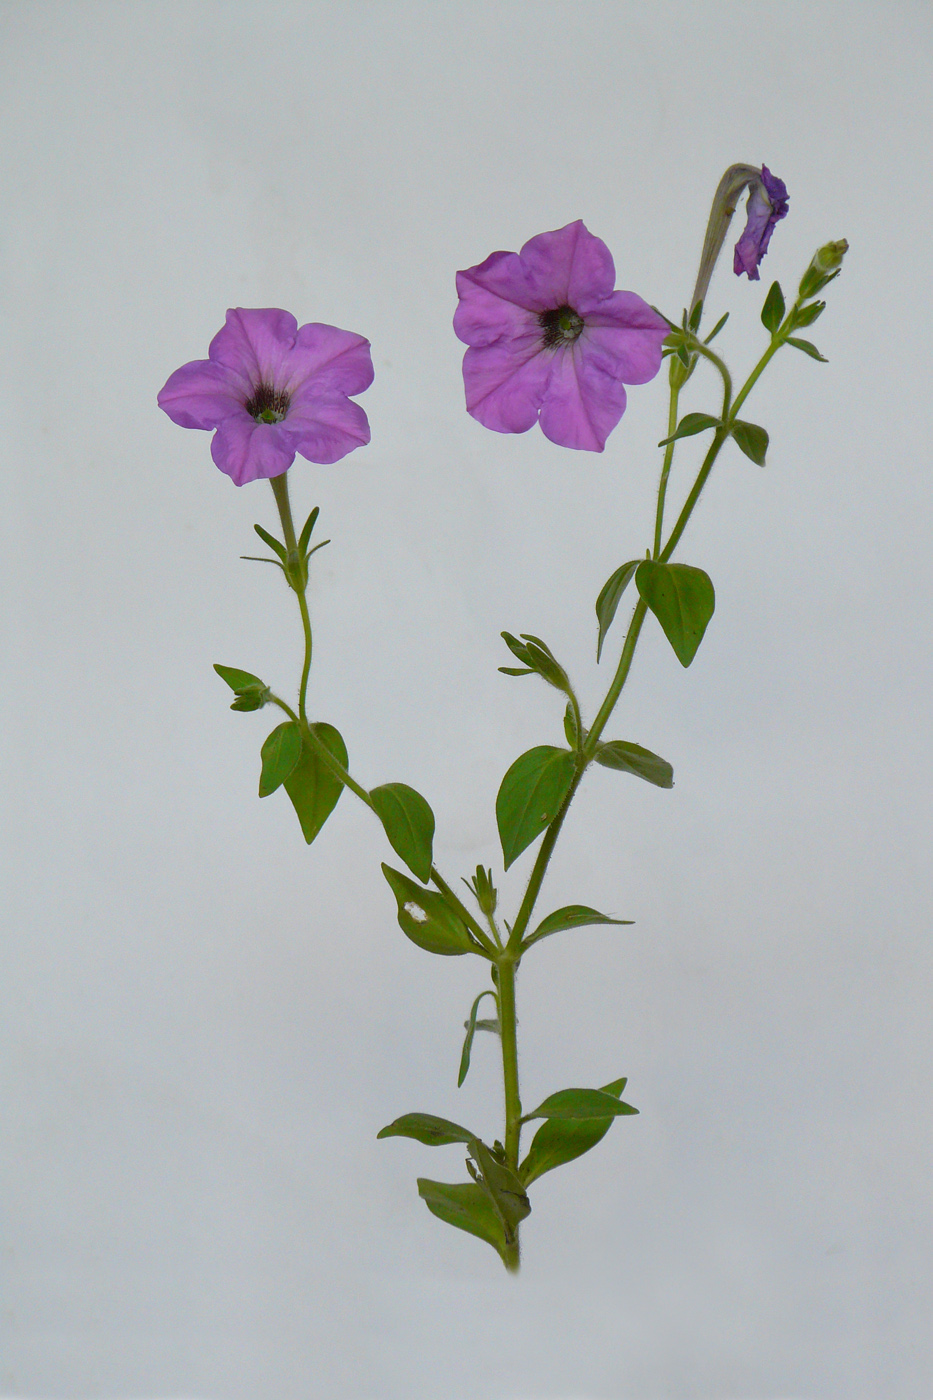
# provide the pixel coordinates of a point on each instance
(766, 204)
(551, 341)
(272, 389)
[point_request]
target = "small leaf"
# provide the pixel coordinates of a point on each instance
(503, 1185)
(580, 1103)
(696, 315)
(752, 440)
(537, 655)
(280, 753)
(808, 348)
(426, 919)
(530, 797)
(716, 329)
(571, 916)
(806, 315)
(632, 758)
(690, 424)
(272, 542)
(772, 313)
(426, 1128)
(682, 599)
(238, 681)
(560, 1140)
(466, 1206)
(304, 538)
(314, 790)
(409, 825)
(570, 726)
(608, 600)
(517, 670)
(470, 1032)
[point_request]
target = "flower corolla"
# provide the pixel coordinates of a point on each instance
(767, 203)
(551, 341)
(272, 389)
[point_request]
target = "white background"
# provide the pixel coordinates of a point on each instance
(207, 1021)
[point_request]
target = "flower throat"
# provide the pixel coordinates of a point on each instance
(562, 326)
(267, 405)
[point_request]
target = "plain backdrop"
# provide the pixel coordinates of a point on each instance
(205, 1021)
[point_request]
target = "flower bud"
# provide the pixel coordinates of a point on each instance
(826, 264)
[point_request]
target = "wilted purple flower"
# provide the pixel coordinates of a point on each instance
(271, 390)
(766, 204)
(551, 341)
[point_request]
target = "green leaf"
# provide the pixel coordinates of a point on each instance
(536, 655)
(560, 1140)
(580, 1103)
(772, 313)
(570, 726)
(696, 315)
(503, 1185)
(608, 600)
(426, 919)
(632, 758)
(238, 681)
(716, 329)
(806, 315)
(752, 440)
(466, 1206)
(470, 1032)
(272, 542)
(682, 599)
(808, 348)
(409, 825)
(426, 1128)
(690, 424)
(517, 670)
(304, 538)
(280, 753)
(571, 916)
(530, 797)
(312, 787)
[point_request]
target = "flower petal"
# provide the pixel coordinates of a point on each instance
(326, 428)
(255, 343)
(250, 451)
(767, 203)
(568, 265)
(333, 359)
(585, 397)
(505, 386)
(491, 304)
(202, 394)
(625, 328)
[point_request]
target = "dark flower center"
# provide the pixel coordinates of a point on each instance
(562, 326)
(267, 405)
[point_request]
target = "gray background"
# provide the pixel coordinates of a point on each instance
(206, 1021)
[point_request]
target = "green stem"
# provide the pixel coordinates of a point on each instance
(297, 574)
(505, 966)
(666, 465)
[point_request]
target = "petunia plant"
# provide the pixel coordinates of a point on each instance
(551, 340)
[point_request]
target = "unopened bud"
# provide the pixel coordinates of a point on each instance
(826, 264)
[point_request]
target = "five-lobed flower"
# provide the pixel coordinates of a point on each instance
(551, 341)
(272, 389)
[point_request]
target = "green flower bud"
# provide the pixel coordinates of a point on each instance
(826, 264)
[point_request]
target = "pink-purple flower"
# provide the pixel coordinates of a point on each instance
(272, 389)
(551, 341)
(767, 203)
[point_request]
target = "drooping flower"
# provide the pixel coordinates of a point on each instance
(551, 341)
(271, 390)
(767, 203)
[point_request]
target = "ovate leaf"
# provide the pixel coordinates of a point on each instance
(467, 1206)
(426, 919)
(752, 440)
(632, 758)
(772, 313)
(426, 1128)
(608, 600)
(530, 797)
(689, 425)
(280, 753)
(238, 681)
(571, 916)
(807, 347)
(311, 785)
(560, 1140)
(409, 825)
(682, 599)
(581, 1103)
